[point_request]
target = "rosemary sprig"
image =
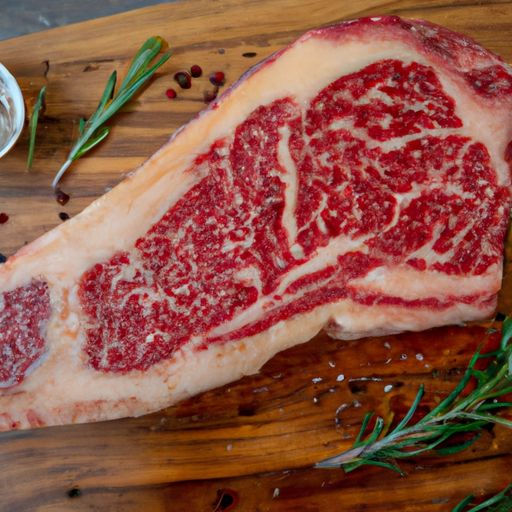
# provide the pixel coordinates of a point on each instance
(92, 131)
(33, 126)
(455, 415)
(501, 502)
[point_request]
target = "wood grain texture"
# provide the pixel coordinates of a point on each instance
(261, 435)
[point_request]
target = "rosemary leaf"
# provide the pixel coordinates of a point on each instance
(412, 410)
(366, 420)
(450, 450)
(495, 406)
(33, 126)
(92, 131)
(96, 137)
(506, 332)
(464, 503)
(501, 502)
(354, 465)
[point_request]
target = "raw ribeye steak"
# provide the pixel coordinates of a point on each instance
(356, 181)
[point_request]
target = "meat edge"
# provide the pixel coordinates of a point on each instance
(183, 376)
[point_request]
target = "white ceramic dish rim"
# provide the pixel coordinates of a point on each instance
(14, 90)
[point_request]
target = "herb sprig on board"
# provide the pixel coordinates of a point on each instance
(33, 125)
(92, 131)
(501, 502)
(455, 415)
(459, 413)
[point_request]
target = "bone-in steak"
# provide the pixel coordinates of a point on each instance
(357, 181)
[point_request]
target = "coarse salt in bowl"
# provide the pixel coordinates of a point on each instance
(12, 111)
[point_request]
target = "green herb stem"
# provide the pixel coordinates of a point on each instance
(92, 131)
(33, 126)
(501, 502)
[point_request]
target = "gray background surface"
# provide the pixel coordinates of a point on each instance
(20, 17)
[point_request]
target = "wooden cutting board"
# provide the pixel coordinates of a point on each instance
(259, 436)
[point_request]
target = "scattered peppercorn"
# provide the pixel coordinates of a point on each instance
(3, 258)
(221, 51)
(3, 218)
(61, 197)
(75, 492)
(170, 93)
(217, 78)
(183, 79)
(63, 216)
(196, 71)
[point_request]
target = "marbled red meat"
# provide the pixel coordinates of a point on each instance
(364, 195)
(24, 315)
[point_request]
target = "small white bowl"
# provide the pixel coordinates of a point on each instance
(12, 111)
